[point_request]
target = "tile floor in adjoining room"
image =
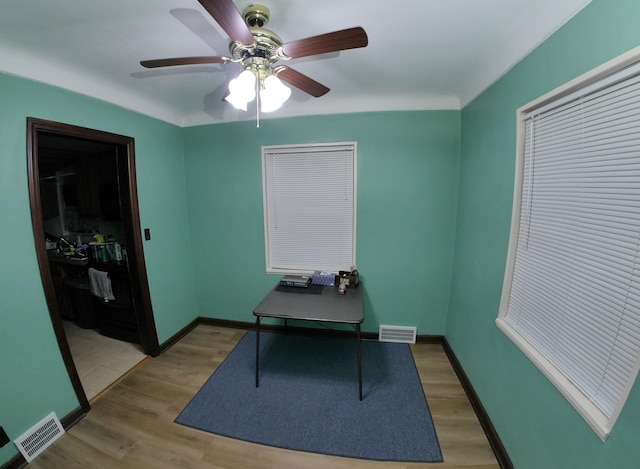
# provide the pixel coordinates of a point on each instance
(100, 360)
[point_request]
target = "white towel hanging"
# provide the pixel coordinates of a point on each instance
(100, 285)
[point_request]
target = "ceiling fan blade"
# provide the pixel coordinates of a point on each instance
(301, 81)
(183, 61)
(351, 38)
(230, 20)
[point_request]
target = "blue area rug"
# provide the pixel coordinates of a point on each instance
(308, 399)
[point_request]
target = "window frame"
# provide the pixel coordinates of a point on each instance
(306, 149)
(597, 419)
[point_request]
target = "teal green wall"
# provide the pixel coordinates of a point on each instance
(211, 199)
(33, 379)
(435, 191)
(538, 426)
(407, 186)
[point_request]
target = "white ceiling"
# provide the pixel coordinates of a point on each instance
(422, 54)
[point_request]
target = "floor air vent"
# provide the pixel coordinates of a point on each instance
(35, 440)
(405, 335)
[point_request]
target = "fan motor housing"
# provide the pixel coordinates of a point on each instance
(266, 41)
(256, 15)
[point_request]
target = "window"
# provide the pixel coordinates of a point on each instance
(309, 207)
(571, 296)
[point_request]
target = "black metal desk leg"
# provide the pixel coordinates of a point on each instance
(359, 361)
(257, 349)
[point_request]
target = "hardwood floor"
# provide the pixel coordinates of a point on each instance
(131, 424)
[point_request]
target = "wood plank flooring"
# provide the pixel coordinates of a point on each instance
(131, 424)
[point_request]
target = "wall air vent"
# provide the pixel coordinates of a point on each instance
(402, 334)
(35, 440)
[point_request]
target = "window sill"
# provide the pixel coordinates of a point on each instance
(596, 419)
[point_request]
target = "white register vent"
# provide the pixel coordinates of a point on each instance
(402, 334)
(35, 440)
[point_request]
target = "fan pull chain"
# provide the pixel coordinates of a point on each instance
(258, 103)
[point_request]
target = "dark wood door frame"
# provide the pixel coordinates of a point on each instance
(131, 227)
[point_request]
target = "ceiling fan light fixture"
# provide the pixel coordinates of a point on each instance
(273, 94)
(236, 101)
(242, 90)
(258, 49)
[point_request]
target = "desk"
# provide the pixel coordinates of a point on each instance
(328, 306)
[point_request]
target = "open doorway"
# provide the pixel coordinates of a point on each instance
(82, 181)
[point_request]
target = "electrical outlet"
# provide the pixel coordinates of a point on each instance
(4, 439)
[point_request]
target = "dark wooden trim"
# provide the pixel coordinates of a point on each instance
(130, 219)
(72, 417)
(16, 462)
(175, 338)
(429, 339)
(492, 435)
(225, 323)
(133, 233)
(33, 127)
(131, 224)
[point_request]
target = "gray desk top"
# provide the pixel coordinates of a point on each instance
(329, 306)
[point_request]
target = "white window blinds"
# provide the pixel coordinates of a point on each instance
(572, 293)
(309, 207)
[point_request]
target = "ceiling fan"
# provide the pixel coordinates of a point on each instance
(258, 50)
